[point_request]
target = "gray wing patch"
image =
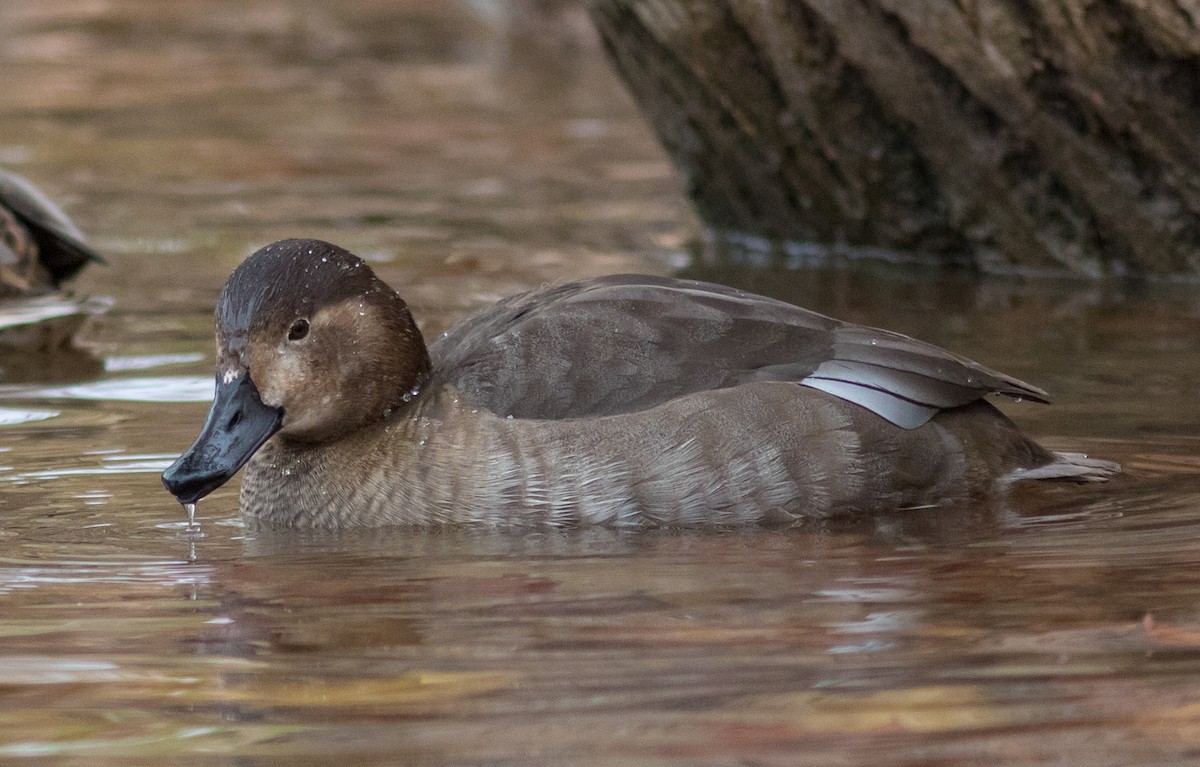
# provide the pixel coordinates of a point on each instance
(907, 381)
(882, 348)
(918, 387)
(903, 412)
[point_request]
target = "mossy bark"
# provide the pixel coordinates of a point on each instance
(1006, 134)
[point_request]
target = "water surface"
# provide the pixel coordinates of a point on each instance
(468, 159)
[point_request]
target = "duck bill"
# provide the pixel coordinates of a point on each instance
(238, 424)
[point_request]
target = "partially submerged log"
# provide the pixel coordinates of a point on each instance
(1006, 135)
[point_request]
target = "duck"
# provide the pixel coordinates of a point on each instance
(41, 248)
(627, 401)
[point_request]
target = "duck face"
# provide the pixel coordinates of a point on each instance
(311, 345)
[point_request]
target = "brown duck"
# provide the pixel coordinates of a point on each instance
(40, 247)
(625, 401)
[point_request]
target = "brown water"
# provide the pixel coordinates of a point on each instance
(468, 160)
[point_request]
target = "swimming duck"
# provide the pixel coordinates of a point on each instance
(40, 247)
(624, 401)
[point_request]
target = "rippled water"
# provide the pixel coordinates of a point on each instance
(468, 159)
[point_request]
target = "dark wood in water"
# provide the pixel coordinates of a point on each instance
(1035, 134)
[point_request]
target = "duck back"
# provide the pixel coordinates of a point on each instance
(631, 342)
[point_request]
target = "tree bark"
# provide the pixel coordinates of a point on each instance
(1000, 134)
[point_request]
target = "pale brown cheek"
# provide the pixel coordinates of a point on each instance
(272, 397)
(265, 373)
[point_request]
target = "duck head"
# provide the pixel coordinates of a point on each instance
(311, 345)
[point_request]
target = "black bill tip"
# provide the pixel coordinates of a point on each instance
(238, 424)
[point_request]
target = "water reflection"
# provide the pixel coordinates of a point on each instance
(11, 416)
(119, 464)
(119, 364)
(148, 389)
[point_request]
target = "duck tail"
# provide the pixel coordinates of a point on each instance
(1070, 467)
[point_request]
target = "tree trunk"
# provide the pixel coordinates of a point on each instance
(1001, 134)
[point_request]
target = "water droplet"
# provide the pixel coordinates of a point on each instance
(411, 393)
(190, 508)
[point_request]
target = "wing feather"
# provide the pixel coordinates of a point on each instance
(629, 342)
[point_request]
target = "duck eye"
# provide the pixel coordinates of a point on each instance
(298, 330)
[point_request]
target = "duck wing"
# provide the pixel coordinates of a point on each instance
(62, 248)
(630, 342)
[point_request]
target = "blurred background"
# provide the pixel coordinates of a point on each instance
(436, 136)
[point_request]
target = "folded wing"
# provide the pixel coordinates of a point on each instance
(630, 342)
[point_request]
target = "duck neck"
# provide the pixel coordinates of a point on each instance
(392, 471)
(438, 460)
(411, 356)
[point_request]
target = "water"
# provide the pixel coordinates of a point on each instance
(466, 162)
